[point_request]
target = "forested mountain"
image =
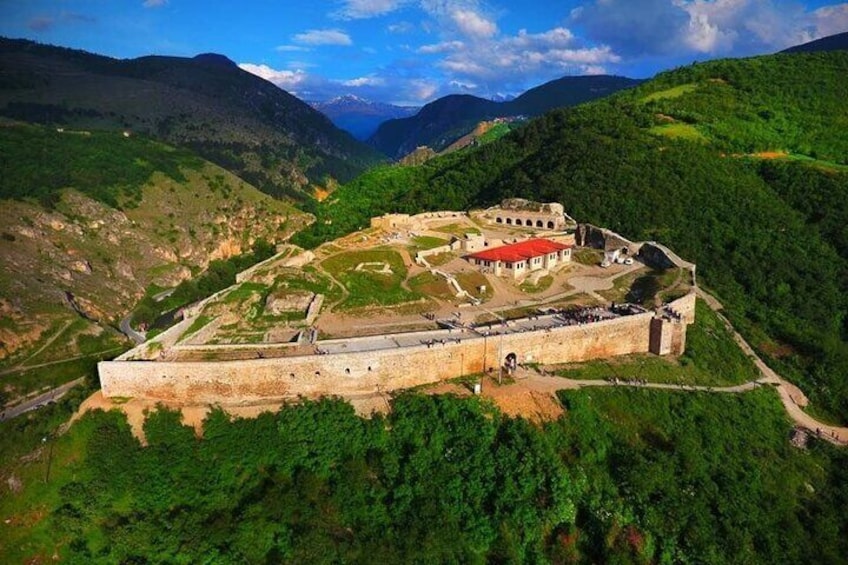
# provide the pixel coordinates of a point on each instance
(440, 123)
(361, 117)
(829, 43)
(740, 165)
(625, 476)
(206, 103)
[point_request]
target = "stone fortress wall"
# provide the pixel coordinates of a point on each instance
(367, 372)
(437, 356)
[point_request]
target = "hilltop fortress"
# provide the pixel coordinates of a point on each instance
(465, 319)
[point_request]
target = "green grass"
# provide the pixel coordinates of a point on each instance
(196, 325)
(367, 288)
(103, 165)
(310, 279)
(457, 229)
(25, 454)
(56, 373)
(244, 291)
(824, 165)
(434, 286)
(587, 256)
(620, 288)
(423, 242)
(675, 92)
(440, 259)
(679, 131)
(542, 285)
(471, 281)
(494, 133)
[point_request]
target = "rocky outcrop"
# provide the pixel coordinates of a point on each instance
(588, 235)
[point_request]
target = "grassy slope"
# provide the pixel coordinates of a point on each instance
(774, 251)
(178, 212)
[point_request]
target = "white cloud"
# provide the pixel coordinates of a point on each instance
(290, 48)
(522, 58)
(473, 24)
(714, 27)
(360, 9)
(829, 20)
(396, 89)
(462, 85)
(443, 47)
(364, 81)
(400, 27)
(287, 80)
(323, 37)
(422, 90)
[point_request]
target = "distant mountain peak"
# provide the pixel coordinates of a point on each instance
(359, 116)
(348, 98)
(215, 59)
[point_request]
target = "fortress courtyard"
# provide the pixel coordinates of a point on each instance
(402, 304)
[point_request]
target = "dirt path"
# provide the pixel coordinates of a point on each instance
(21, 369)
(791, 396)
(46, 344)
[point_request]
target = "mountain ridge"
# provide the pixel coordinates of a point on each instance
(224, 113)
(443, 121)
(830, 43)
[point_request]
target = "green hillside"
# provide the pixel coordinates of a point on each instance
(206, 103)
(768, 234)
(38, 163)
(90, 223)
(625, 476)
(441, 122)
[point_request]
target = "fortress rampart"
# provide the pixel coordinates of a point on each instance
(357, 373)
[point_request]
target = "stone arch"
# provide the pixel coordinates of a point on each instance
(550, 225)
(511, 361)
(540, 224)
(509, 221)
(498, 220)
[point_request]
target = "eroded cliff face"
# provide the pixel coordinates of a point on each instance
(105, 258)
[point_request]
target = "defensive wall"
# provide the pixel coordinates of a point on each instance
(391, 222)
(354, 373)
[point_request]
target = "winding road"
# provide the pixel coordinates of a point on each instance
(128, 331)
(38, 401)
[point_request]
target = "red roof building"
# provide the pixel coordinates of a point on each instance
(523, 257)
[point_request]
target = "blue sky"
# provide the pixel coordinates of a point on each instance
(413, 51)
